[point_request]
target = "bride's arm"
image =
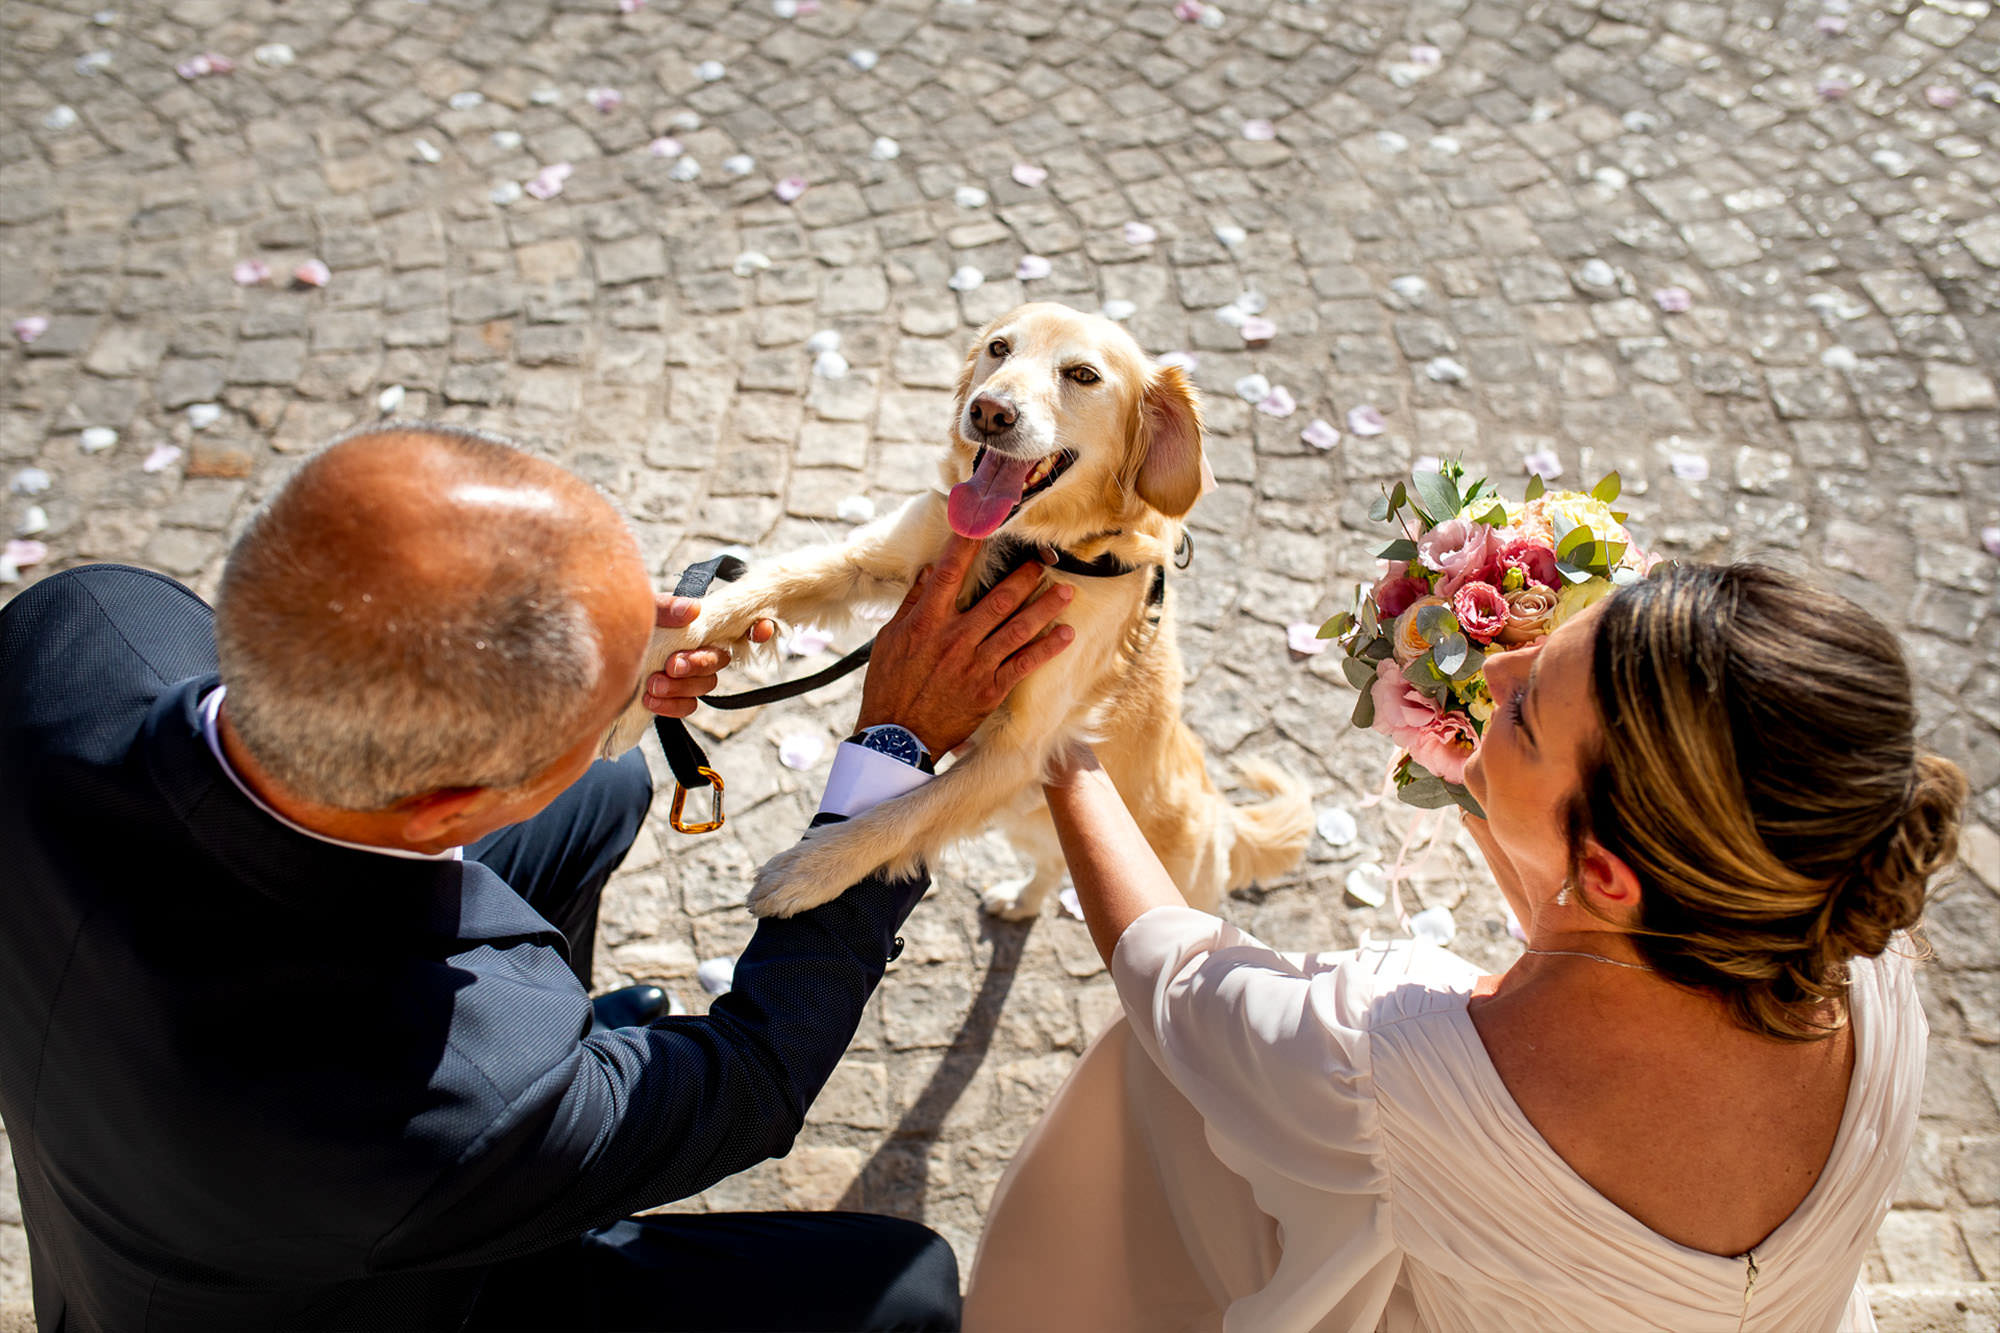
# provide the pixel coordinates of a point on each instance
(1117, 876)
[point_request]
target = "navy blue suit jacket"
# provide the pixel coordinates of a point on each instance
(254, 1080)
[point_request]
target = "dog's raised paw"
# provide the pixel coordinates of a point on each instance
(1010, 900)
(786, 885)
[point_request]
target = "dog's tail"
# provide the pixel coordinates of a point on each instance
(1270, 835)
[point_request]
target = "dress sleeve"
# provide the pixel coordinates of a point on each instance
(1271, 1048)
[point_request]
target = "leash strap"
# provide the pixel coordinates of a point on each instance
(684, 755)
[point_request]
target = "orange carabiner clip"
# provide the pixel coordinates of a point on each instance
(714, 808)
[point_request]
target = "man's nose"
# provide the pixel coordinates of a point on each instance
(993, 414)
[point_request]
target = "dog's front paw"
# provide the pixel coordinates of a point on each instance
(1014, 899)
(794, 881)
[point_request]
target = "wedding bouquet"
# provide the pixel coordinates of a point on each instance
(1470, 574)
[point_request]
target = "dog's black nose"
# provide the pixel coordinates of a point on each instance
(992, 414)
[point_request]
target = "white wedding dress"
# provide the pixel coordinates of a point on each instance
(1286, 1143)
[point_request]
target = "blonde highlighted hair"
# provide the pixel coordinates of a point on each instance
(1759, 774)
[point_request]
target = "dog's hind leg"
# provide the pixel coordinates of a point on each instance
(1033, 832)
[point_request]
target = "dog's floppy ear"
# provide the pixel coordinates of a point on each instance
(1173, 472)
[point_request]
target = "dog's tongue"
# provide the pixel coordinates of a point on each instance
(978, 507)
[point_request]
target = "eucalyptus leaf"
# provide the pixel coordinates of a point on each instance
(1572, 574)
(1438, 496)
(1466, 803)
(1359, 674)
(1370, 622)
(1475, 662)
(1377, 649)
(1496, 517)
(1449, 654)
(1535, 487)
(1412, 770)
(1431, 622)
(1430, 793)
(1607, 489)
(1400, 549)
(1571, 542)
(1379, 511)
(1614, 552)
(1364, 710)
(1337, 626)
(1398, 497)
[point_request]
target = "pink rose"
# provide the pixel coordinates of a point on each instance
(1461, 551)
(1536, 562)
(1404, 640)
(1528, 614)
(1394, 594)
(1401, 710)
(1481, 611)
(1444, 745)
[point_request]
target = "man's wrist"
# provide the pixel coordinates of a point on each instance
(898, 742)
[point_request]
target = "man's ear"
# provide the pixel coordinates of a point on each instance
(1173, 472)
(435, 816)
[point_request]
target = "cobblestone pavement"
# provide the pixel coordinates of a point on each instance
(1458, 211)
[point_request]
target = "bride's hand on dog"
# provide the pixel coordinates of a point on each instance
(693, 673)
(940, 671)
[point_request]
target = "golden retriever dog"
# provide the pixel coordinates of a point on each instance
(1066, 438)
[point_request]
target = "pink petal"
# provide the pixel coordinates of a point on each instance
(548, 182)
(1257, 329)
(808, 642)
(21, 554)
(1544, 464)
(1674, 300)
(631, 6)
(1259, 131)
(193, 68)
(1189, 11)
(1425, 55)
(1029, 175)
(1032, 267)
(312, 273)
(1834, 89)
(1320, 434)
(1990, 539)
(1138, 233)
(1366, 420)
(250, 272)
(1831, 25)
(1302, 636)
(807, 7)
(1942, 96)
(30, 327)
(161, 458)
(666, 146)
(1185, 360)
(606, 100)
(221, 64)
(1689, 467)
(790, 188)
(1278, 403)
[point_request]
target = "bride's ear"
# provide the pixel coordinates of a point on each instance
(1608, 884)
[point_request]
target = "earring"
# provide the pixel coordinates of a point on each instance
(1562, 895)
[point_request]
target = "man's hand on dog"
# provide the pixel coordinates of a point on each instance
(690, 674)
(940, 671)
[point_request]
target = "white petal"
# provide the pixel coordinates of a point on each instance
(426, 150)
(9, 571)
(1367, 885)
(1366, 420)
(749, 262)
(34, 519)
(507, 140)
(1445, 370)
(275, 54)
(1320, 434)
(1611, 178)
(1839, 357)
(965, 279)
(90, 62)
(789, 189)
(863, 59)
(1140, 233)
(200, 416)
(1211, 18)
(60, 118)
(856, 509)
(546, 96)
(250, 272)
(1231, 315)
(1032, 267)
(1411, 288)
(1830, 25)
(1674, 300)
(30, 481)
(1390, 142)
(1259, 131)
(1252, 302)
(664, 146)
(1942, 96)
(1071, 906)
(390, 400)
(710, 71)
(30, 327)
(1689, 467)
(1425, 55)
(1185, 360)
(605, 100)
(95, 439)
(808, 642)
(969, 196)
(1543, 463)
(826, 340)
(830, 366)
(684, 169)
(506, 192)
(884, 149)
(1427, 463)
(801, 750)
(1596, 273)
(1302, 637)
(1256, 329)
(1443, 143)
(469, 98)
(785, 9)
(104, 18)
(162, 458)
(312, 273)
(1433, 925)
(1640, 122)
(684, 122)
(716, 974)
(1118, 308)
(1028, 174)
(739, 164)
(1253, 388)
(1231, 235)
(1337, 824)
(1278, 403)
(22, 554)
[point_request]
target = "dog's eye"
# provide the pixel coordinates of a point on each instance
(1082, 375)
(998, 347)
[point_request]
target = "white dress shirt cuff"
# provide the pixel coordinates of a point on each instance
(861, 779)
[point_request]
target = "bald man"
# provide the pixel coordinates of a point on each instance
(299, 903)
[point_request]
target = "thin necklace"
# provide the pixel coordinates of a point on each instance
(1597, 957)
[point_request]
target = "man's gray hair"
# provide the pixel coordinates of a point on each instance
(356, 693)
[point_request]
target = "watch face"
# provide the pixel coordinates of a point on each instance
(896, 742)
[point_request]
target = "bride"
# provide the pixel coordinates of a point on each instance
(1685, 1106)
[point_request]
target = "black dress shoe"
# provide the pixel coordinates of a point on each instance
(627, 1007)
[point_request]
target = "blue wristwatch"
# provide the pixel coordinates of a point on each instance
(899, 743)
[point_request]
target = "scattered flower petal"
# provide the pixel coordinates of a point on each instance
(1032, 267)
(96, 439)
(1443, 143)
(1366, 420)
(1259, 131)
(1028, 174)
(606, 100)
(1336, 823)
(684, 122)
(506, 192)
(785, 9)
(965, 279)
(1688, 467)
(30, 327)
(666, 146)
(1989, 537)
(60, 118)
(1597, 275)
(426, 151)
(684, 169)
(1834, 89)
(506, 140)
(1188, 11)
(312, 273)
(826, 340)
(808, 642)
(1674, 300)
(1118, 308)
(1942, 96)
(1257, 330)
(1425, 55)
(1231, 235)
(276, 55)
(1640, 122)
(104, 18)
(739, 164)
(542, 97)
(90, 62)
(1445, 370)
(631, 6)
(1368, 885)
(1302, 637)
(1320, 434)
(203, 65)
(162, 458)
(1830, 25)
(1410, 288)
(969, 196)
(1185, 360)
(34, 519)
(548, 182)
(1231, 315)
(1253, 388)
(1278, 402)
(1072, 906)
(21, 554)
(390, 400)
(470, 98)
(830, 366)
(710, 71)
(749, 262)
(1252, 302)
(1211, 17)
(856, 509)
(1839, 357)
(1433, 925)
(30, 481)
(789, 189)
(863, 60)
(716, 974)
(1140, 233)
(1611, 178)
(801, 750)
(1391, 142)
(1543, 463)
(885, 149)
(200, 416)
(250, 272)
